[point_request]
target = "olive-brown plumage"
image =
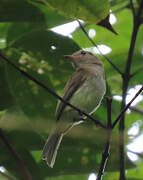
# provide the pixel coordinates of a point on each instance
(85, 90)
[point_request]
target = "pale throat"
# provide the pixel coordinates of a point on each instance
(93, 68)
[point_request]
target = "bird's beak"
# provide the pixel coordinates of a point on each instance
(70, 57)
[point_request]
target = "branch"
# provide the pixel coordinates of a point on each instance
(109, 111)
(97, 122)
(133, 9)
(94, 44)
(126, 107)
(141, 21)
(127, 75)
(126, 78)
(14, 154)
(136, 153)
(105, 156)
(122, 154)
(106, 152)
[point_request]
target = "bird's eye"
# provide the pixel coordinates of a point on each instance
(83, 52)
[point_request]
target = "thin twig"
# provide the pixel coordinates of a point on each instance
(141, 20)
(109, 109)
(136, 153)
(113, 65)
(15, 155)
(137, 72)
(127, 106)
(133, 9)
(97, 122)
(106, 152)
(105, 156)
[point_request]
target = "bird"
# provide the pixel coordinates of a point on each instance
(85, 89)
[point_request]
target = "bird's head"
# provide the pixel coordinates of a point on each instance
(81, 58)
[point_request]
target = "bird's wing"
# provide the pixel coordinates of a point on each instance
(71, 87)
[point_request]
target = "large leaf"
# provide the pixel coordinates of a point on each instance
(13, 10)
(39, 54)
(91, 11)
(3, 33)
(52, 17)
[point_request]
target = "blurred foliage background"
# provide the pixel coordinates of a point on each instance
(27, 112)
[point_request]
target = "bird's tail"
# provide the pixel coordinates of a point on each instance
(51, 147)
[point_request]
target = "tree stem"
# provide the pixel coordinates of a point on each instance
(106, 152)
(126, 78)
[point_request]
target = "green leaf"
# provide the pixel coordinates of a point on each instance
(3, 33)
(52, 18)
(44, 63)
(135, 173)
(69, 177)
(18, 30)
(89, 11)
(32, 99)
(118, 5)
(18, 11)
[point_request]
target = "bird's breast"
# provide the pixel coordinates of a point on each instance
(90, 94)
